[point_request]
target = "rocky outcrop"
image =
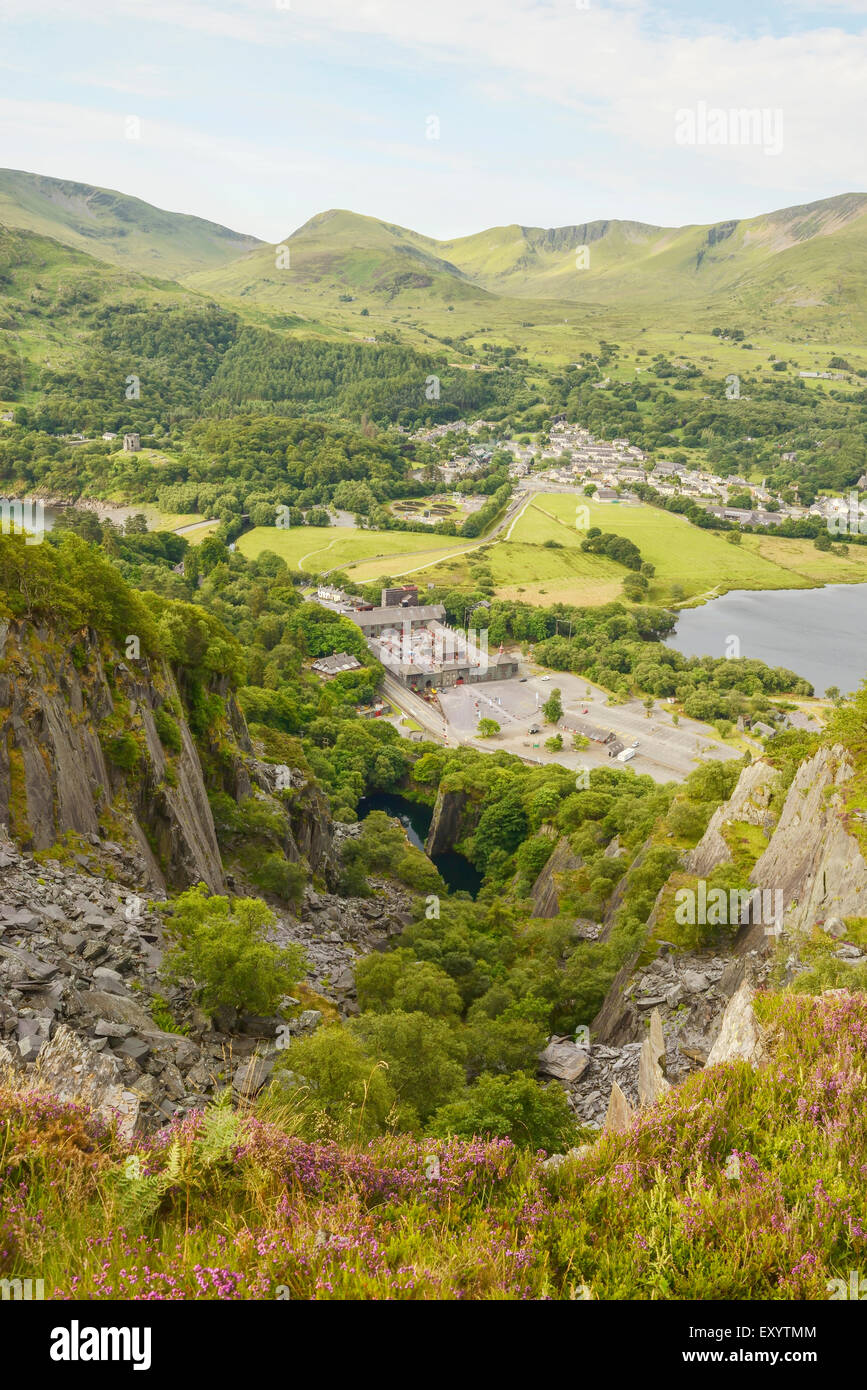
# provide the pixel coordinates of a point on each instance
(69, 1068)
(563, 1059)
(311, 835)
(83, 1004)
(699, 1005)
(740, 1037)
(668, 1017)
(453, 815)
(618, 1116)
(652, 1082)
(549, 885)
(811, 858)
(750, 802)
(57, 697)
(615, 901)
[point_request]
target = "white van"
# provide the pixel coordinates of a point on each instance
(626, 755)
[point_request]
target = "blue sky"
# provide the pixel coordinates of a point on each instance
(260, 113)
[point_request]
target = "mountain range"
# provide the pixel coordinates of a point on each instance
(798, 269)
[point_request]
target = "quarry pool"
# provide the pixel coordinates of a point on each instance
(455, 870)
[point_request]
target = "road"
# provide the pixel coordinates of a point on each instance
(509, 517)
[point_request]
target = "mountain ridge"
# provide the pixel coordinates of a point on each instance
(115, 227)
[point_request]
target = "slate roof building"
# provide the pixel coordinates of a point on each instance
(335, 664)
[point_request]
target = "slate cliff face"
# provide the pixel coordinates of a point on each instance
(61, 705)
(454, 815)
(811, 857)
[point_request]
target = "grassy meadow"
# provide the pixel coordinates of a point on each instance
(364, 554)
(689, 563)
(538, 558)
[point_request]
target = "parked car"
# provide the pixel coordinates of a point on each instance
(634, 743)
(544, 678)
(534, 729)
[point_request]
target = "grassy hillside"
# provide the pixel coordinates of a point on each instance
(791, 279)
(693, 261)
(341, 252)
(228, 1206)
(799, 268)
(51, 295)
(114, 227)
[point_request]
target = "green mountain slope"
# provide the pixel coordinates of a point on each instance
(342, 252)
(794, 252)
(796, 274)
(52, 297)
(116, 228)
(797, 268)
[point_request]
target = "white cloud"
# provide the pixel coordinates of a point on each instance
(616, 74)
(611, 66)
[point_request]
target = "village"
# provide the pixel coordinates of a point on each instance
(573, 457)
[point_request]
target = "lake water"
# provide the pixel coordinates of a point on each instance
(821, 634)
(415, 818)
(30, 513)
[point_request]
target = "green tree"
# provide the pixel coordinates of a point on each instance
(425, 1058)
(553, 707)
(503, 825)
(344, 1083)
(221, 943)
(396, 980)
(487, 728)
(503, 1044)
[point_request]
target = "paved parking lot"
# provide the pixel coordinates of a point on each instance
(667, 752)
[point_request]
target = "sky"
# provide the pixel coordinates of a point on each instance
(447, 116)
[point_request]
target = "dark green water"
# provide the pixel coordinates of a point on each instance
(455, 870)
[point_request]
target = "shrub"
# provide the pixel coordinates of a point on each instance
(397, 981)
(276, 874)
(122, 750)
(168, 730)
(221, 943)
(514, 1107)
(346, 1086)
(504, 1044)
(382, 848)
(424, 1057)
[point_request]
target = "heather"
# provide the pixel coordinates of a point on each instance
(743, 1183)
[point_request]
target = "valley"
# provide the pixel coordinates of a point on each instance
(434, 656)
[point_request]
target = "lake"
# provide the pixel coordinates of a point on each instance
(820, 634)
(30, 514)
(415, 818)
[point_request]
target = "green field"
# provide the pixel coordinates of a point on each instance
(318, 549)
(702, 563)
(690, 564)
